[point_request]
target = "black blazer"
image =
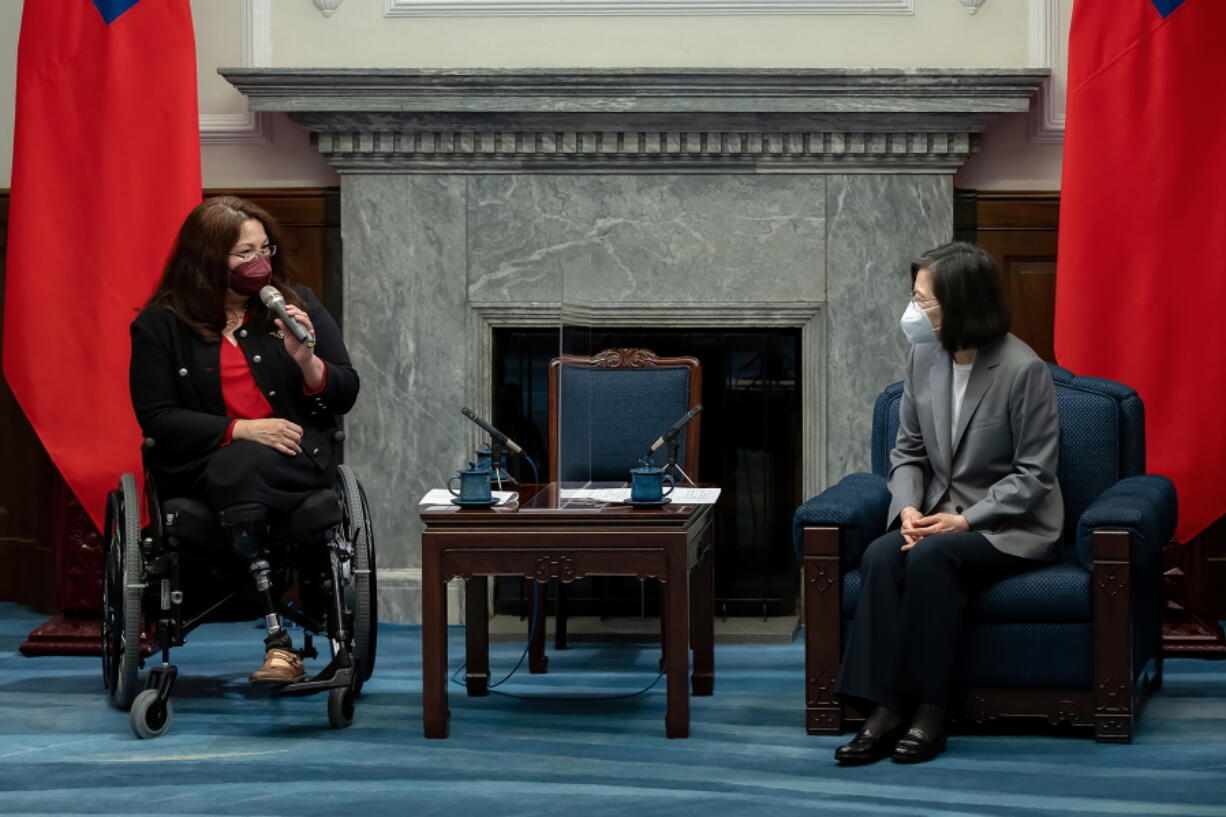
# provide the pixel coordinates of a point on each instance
(175, 384)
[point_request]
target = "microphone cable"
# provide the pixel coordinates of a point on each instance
(532, 621)
(532, 624)
(536, 475)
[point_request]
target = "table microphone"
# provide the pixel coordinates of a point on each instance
(490, 430)
(674, 430)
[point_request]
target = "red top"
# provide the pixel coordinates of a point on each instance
(239, 391)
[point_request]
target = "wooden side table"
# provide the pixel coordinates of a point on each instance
(545, 537)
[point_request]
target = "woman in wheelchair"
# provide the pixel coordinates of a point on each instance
(241, 414)
(974, 499)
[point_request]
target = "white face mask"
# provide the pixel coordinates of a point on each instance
(916, 326)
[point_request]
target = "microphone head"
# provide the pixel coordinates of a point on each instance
(271, 295)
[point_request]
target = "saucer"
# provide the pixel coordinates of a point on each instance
(480, 503)
(651, 503)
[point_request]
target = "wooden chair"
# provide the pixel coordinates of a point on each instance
(604, 413)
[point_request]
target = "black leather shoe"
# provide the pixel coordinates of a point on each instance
(917, 746)
(867, 747)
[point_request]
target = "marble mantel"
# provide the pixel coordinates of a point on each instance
(644, 120)
(655, 197)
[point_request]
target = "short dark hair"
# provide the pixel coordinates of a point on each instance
(966, 283)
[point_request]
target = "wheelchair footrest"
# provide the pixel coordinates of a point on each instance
(337, 675)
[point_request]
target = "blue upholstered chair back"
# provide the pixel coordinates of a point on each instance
(1102, 437)
(607, 418)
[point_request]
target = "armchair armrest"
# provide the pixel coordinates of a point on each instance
(1120, 538)
(1145, 506)
(858, 505)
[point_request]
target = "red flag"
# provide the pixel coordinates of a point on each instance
(1141, 280)
(106, 164)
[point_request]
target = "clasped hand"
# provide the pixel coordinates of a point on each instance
(915, 526)
(273, 432)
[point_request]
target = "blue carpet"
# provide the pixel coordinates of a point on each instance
(64, 752)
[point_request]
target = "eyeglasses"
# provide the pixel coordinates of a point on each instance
(924, 304)
(251, 255)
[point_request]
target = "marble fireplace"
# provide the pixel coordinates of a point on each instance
(478, 199)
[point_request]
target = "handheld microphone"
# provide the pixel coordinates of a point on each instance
(674, 430)
(273, 299)
(490, 430)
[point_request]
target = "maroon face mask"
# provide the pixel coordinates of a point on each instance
(249, 277)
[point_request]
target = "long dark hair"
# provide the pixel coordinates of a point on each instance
(966, 283)
(194, 282)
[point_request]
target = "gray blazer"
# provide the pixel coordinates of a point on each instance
(999, 470)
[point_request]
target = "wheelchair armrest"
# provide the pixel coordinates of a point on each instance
(1145, 506)
(858, 505)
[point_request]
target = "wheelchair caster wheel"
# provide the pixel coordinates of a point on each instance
(340, 708)
(149, 717)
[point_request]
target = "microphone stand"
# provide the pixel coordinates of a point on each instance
(500, 475)
(499, 446)
(670, 438)
(674, 448)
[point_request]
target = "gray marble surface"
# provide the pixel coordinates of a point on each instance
(400, 596)
(405, 320)
(423, 253)
(628, 90)
(646, 239)
(876, 226)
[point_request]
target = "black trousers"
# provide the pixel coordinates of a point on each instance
(247, 471)
(907, 633)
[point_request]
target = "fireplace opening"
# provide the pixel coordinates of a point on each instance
(750, 448)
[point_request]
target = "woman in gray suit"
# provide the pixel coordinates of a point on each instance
(974, 499)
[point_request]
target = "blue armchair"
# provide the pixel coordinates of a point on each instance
(1077, 641)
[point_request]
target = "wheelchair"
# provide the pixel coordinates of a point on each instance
(168, 576)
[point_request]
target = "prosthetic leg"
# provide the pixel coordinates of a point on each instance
(245, 525)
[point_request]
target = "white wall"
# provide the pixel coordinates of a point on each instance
(939, 33)
(1023, 151)
(278, 154)
(271, 151)
(10, 21)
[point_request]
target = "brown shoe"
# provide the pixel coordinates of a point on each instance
(280, 667)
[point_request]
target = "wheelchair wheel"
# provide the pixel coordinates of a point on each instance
(340, 708)
(362, 590)
(149, 717)
(122, 588)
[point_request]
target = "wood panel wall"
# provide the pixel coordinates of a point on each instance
(1019, 231)
(27, 484)
(1213, 540)
(28, 481)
